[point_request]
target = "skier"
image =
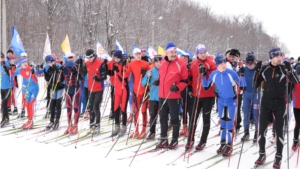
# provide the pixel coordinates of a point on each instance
(144, 57)
(138, 69)
(151, 78)
(121, 93)
(5, 91)
(296, 105)
(274, 75)
(12, 68)
(54, 76)
(73, 92)
(204, 99)
(97, 72)
(173, 78)
(30, 87)
(227, 82)
(112, 83)
(22, 114)
(250, 96)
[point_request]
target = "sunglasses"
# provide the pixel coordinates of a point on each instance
(143, 50)
(249, 62)
(71, 57)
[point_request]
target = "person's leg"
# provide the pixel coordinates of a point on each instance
(207, 107)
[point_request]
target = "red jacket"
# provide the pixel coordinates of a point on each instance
(170, 73)
(193, 77)
(296, 95)
(119, 79)
(110, 68)
(92, 69)
(135, 67)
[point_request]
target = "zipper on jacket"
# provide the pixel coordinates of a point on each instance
(165, 78)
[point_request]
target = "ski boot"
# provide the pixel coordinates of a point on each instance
(56, 124)
(295, 144)
(9, 111)
(142, 133)
(173, 145)
(135, 134)
(22, 115)
(49, 126)
(123, 130)
(129, 118)
(163, 143)
(4, 122)
(151, 136)
(245, 136)
(184, 130)
(15, 112)
(111, 115)
(68, 129)
(91, 130)
(277, 161)
(96, 129)
(116, 130)
(28, 124)
(74, 129)
(255, 137)
(189, 145)
(228, 150)
(200, 146)
(222, 147)
(261, 159)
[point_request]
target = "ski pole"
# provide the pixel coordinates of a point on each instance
(85, 111)
(106, 102)
(150, 127)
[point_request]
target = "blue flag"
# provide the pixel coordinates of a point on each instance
(16, 42)
(190, 54)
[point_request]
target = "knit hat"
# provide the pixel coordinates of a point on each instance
(200, 48)
(90, 53)
(286, 59)
(274, 52)
(220, 59)
(298, 70)
(23, 54)
(10, 51)
(49, 59)
(157, 58)
(125, 55)
(292, 58)
(235, 52)
(22, 60)
(250, 56)
(136, 50)
(69, 54)
(170, 46)
(118, 54)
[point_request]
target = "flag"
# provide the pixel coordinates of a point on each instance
(161, 51)
(65, 46)
(151, 52)
(16, 42)
(190, 54)
(181, 52)
(47, 48)
(101, 52)
(119, 47)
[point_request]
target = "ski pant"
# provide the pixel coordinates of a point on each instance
(254, 110)
(5, 94)
(55, 104)
(186, 102)
(112, 98)
(120, 104)
(71, 96)
(171, 107)
(153, 114)
(226, 117)
(277, 107)
(48, 95)
(30, 98)
(238, 115)
(95, 101)
(12, 98)
(137, 101)
(88, 102)
(130, 99)
(23, 101)
(82, 99)
(206, 105)
(297, 123)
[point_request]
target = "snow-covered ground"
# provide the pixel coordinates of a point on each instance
(28, 149)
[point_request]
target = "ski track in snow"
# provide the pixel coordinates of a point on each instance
(25, 150)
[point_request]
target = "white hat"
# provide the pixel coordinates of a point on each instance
(68, 54)
(136, 50)
(23, 54)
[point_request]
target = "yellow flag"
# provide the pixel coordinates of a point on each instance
(65, 46)
(161, 51)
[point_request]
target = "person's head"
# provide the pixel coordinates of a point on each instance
(70, 56)
(117, 56)
(112, 54)
(24, 63)
(220, 61)
(157, 61)
(201, 52)
(137, 53)
(235, 54)
(250, 60)
(143, 51)
(292, 60)
(171, 52)
(49, 60)
(228, 56)
(131, 58)
(12, 59)
(9, 52)
(185, 58)
(298, 71)
(275, 56)
(90, 55)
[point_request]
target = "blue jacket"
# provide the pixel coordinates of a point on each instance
(86, 81)
(249, 75)
(5, 79)
(29, 80)
(153, 89)
(224, 81)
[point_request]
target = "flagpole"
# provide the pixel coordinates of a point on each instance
(3, 24)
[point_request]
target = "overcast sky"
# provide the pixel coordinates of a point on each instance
(280, 17)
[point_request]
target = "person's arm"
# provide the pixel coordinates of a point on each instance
(146, 79)
(183, 79)
(208, 83)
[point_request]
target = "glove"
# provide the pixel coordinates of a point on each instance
(156, 82)
(96, 78)
(234, 64)
(202, 70)
(123, 62)
(287, 66)
(258, 66)
(42, 66)
(61, 68)
(74, 70)
(32, 70)
(143, 71)
(105, 61)
(116, 68)
(79, 61)
(242, 71)
(174, 88)
(16, 80)
(55, 68)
